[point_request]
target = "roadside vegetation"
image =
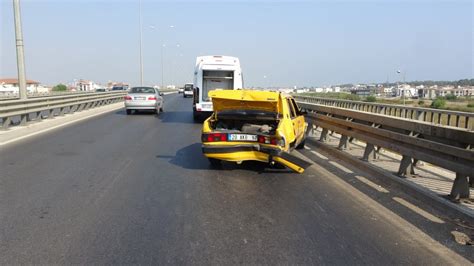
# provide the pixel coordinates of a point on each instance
(60, 87)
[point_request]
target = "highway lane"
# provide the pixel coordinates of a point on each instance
(136, 189)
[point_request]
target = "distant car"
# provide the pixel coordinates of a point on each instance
(188, 90)
(144, 98)
(100, 90)
(180, 90)
(120, 88)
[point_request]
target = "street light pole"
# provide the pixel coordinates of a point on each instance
(162, 75)
(141, 55)
(20, 56)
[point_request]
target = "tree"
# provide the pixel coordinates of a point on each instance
(371, 99)
(439, 103)
(60, 87)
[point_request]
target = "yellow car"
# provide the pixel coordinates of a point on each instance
(254, 125)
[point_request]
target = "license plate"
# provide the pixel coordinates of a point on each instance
(206, 106)
(242, 137)
(140, 98)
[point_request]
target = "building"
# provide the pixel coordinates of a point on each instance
(406, 91)
(85, 85)
(434, 91)
(9, 86)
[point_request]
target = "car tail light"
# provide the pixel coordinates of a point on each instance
(152, 98)
(127, 98)
(212, 137)
(271, 140)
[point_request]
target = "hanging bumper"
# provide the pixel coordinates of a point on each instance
(244, 152)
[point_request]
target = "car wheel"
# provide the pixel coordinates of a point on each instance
(129, 112)
(215, 163)
(301, 145)
(161, 110)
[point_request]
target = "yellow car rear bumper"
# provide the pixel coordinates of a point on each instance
(254, 152)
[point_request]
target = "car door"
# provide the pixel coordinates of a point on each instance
(299, 121)
(294, 120)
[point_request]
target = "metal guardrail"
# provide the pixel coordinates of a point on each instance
(65, 104)
(434, 116)
(7, 97)
(447, 147)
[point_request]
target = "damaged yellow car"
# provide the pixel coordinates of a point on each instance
(254, 125)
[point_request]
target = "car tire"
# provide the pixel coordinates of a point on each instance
(129, 112)
(161, 110)
(301, 145)
(215, 163)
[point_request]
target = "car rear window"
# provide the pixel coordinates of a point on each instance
(142, 90)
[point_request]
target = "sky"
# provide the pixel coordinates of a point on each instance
(279, 43)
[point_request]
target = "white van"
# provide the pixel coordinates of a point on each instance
(214, 72)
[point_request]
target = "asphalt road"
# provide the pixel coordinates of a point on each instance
(136, 189)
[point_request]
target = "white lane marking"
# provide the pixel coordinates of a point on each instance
(57, 126)
(343, 168)
(418, 210)
(319, 155)
(371, 184)
(306, 148)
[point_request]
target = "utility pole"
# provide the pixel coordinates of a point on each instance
(20, 56)
(141, 28)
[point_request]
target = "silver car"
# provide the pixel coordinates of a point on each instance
(144, 98)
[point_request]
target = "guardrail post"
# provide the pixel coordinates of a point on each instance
(407, 162)
(324, 135)
(369, 152)
(343, 142)
(39, 116)
(6, 123)
(460, 189)
(419, 115)
(309, 129)
(50, 114)
(23, 119)
(62, 111)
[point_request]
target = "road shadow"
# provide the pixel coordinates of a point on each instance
(135, 113)
(191, 157)
(440, 231)
(181, 117)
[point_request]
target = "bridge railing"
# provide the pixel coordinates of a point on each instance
(447, 147)
(433, 116)
(36, 108)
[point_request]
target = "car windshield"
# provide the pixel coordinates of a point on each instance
(142, 90)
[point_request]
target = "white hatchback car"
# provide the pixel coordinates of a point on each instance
(144, 98)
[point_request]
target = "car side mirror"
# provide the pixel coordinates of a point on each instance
(161, 94)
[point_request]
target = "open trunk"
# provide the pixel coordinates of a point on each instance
(245, 121)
